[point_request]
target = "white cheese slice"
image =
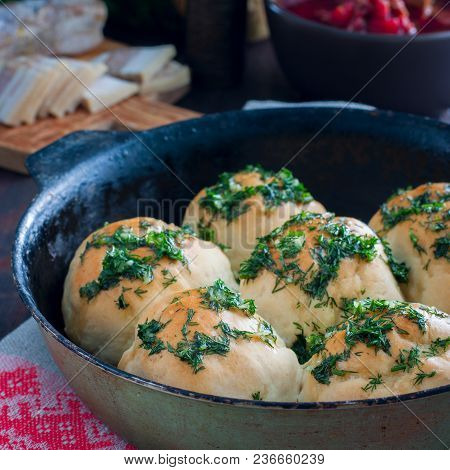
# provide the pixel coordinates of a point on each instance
(14, 83)
(84, 74)
(46, 73)
(107, 91)
(137, 63)
(172, 77)
(63, 77)
(18, 87)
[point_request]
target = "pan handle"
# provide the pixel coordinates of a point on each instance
(47, 165)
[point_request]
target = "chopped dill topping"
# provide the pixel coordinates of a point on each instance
(399, 270)
(331, 250)
(264, 333)
(407, 360)
(227, 198)
(290, 244)
(415, 242)
(334, 244)
(421, 376)
(306, 346)
(188, 322)
(373, 383)
(437, 347)
(328, 367)
(256, 396)
(119, 263)
(442, 247)
(386, 308)
(147, 334)
(193, 351)
(169, 278)
(370, 330)
(121, 302)
(421, 204)
(139, 291)
(369, 321)
(219, 297)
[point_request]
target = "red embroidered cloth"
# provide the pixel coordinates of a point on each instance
(37, 409)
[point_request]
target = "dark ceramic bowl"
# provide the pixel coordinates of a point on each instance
(351, 160)
(388, 71)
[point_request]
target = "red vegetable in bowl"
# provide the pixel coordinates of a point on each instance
(375, 16)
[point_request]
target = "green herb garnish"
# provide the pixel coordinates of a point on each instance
(421, 376)
(219, 297)
(256, 396)
(147, 334)
(121, 302)
(373, 383)
(193, 351)
(227, 199)
(330, 251)
(442, 247)
(415, 242)
(407, 360)
(422, 204)
(119, 263)
(331, 247)
(399, 270)
(328, 367)
(264, 332)
(437, 347)
(169, 278)
(188, 322)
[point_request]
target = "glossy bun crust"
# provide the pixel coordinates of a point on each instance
(416, 224)
(411, 353)
(300, 272)
(239, 233)
(254, 366)
(103, 320)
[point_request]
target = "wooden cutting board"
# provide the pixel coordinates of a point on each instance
(135, 113)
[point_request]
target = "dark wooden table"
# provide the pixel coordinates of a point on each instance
(263, 80)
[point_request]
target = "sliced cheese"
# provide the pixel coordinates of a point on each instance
(18, 79)
(84, 74)
(13, 84)
(46, 69)
(107, 91)
(63, 77)
(137, 63)
(172, 77)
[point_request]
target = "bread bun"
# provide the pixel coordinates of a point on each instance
(299, 273)
(382, 349)
(416, 225)
(246, 205)
(210, 341)
(120, 269)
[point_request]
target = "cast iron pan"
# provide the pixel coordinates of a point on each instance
(351, 161)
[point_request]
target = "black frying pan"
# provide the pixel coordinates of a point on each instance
(350, 160)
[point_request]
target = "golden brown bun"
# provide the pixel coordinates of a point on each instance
(365, 363)
(99, 325)
(250, 365)
(429, 276)
(287, 306)
(241, 233)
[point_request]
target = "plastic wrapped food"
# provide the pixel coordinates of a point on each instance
(65, 26)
